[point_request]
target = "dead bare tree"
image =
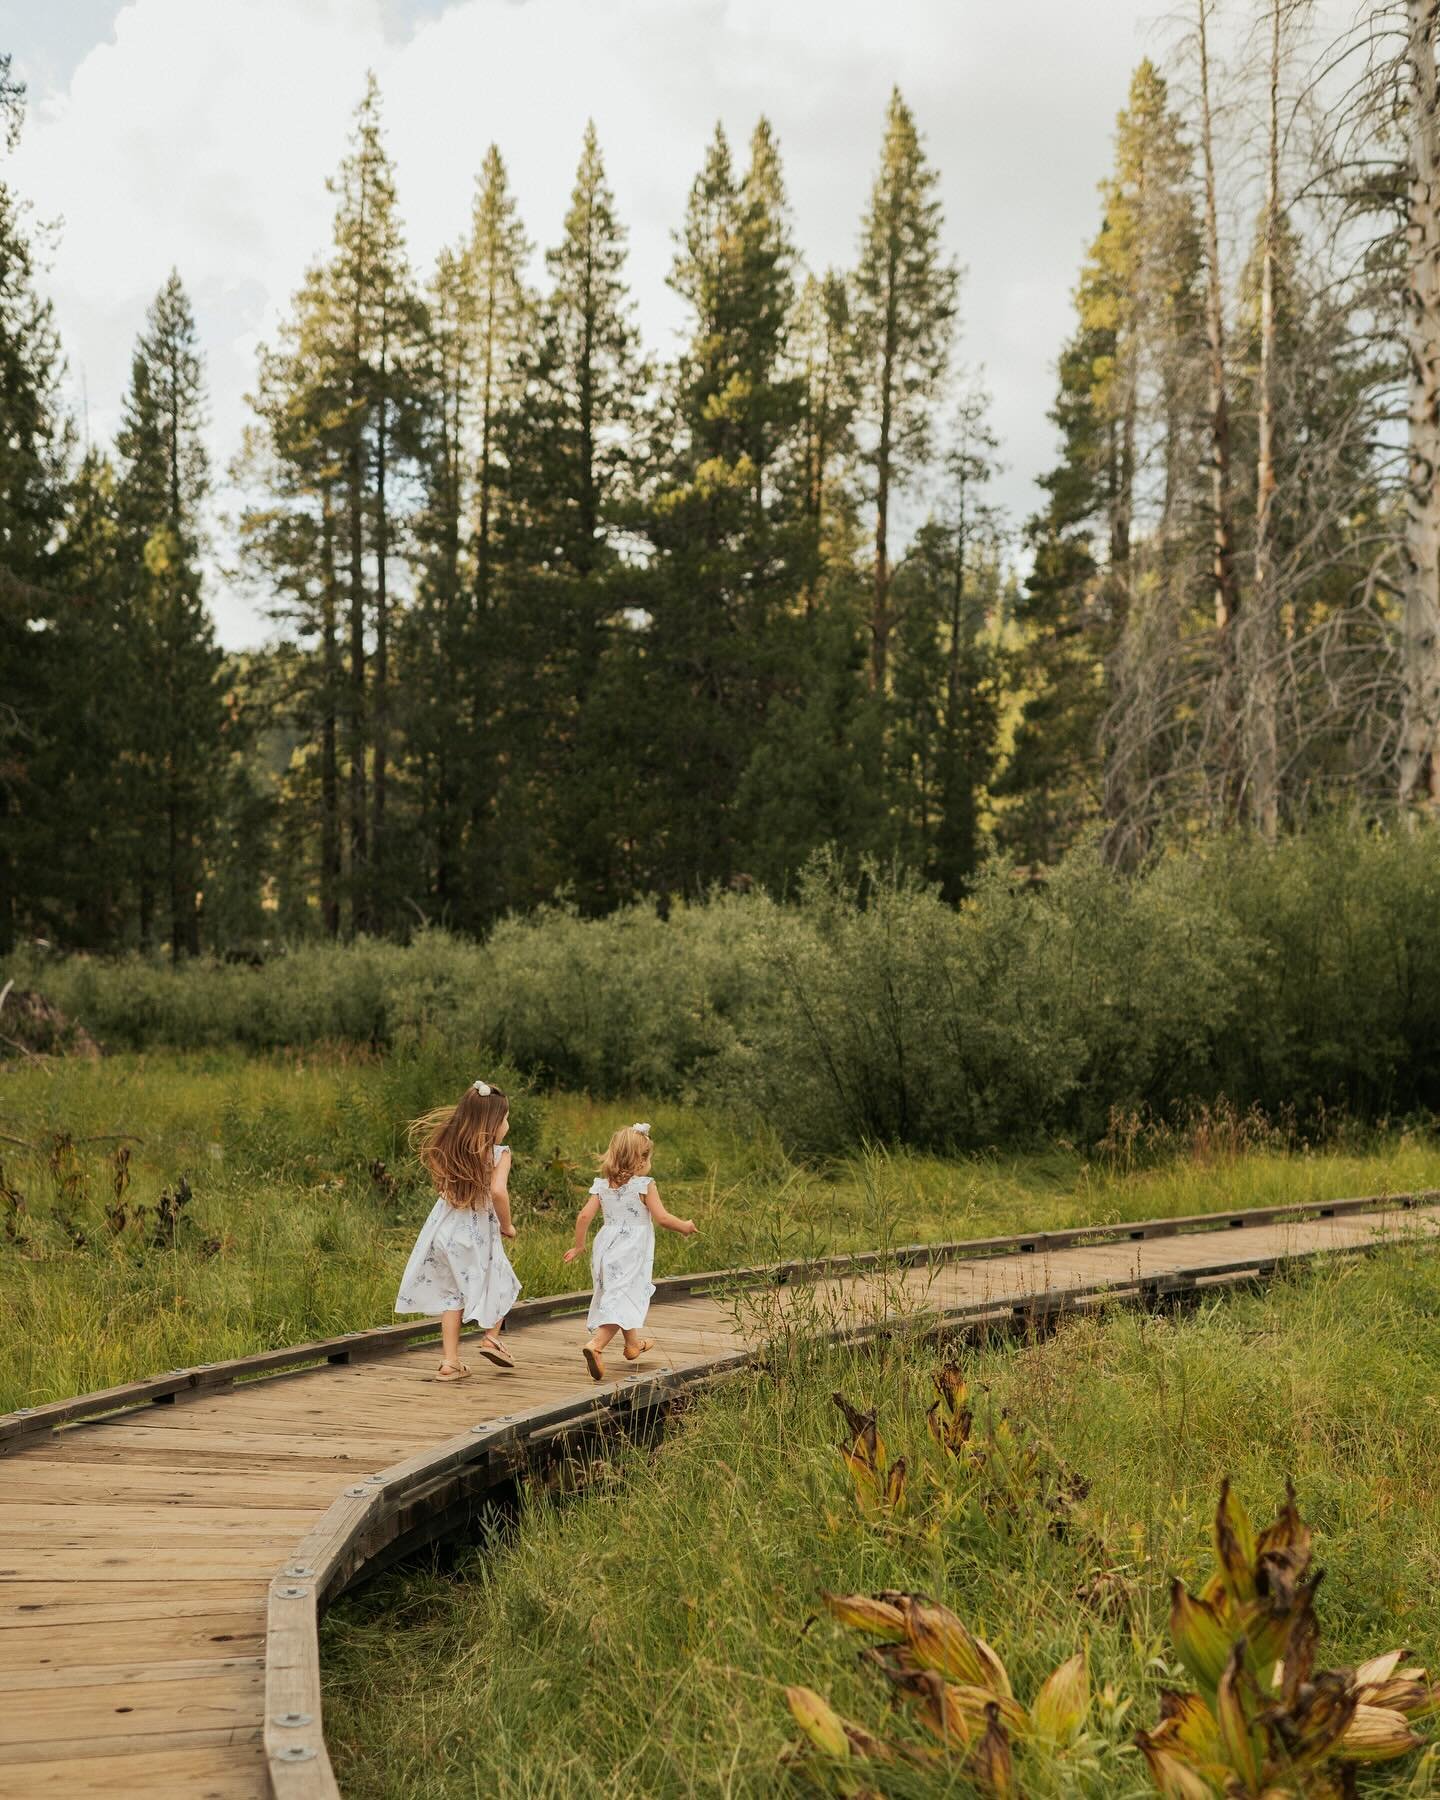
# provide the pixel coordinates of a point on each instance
(1419, 758)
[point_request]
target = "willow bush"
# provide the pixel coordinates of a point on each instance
(1304, 979)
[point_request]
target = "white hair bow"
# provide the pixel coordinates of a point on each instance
(482, 1087)
(644, 1128)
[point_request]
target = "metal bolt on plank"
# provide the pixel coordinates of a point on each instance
(358, 1493)
(299, 1569)
(291, 1721)
(292, 1593)
(295, 1753)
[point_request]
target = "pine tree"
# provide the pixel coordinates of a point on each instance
(292, 540)
(569, 445)
(822, 353)
(35, 444)
(340, 410)
(177, 742)
(727, 516)
(439, 650)
(375, 309)
(904, 310)
(946, 668)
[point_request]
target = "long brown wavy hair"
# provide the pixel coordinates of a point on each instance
(457, 1146)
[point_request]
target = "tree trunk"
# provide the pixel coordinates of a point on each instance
(880, 621)
(487, 425)
(1262, 746)
(172, 865)
(355, 709)
(380, 692)
(329, 764)
(1419, 765)
(1222, 536)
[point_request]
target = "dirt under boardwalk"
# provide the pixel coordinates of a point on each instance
(136, 1552)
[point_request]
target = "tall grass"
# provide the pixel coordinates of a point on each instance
(638, 1640)
(306, 1201)
(1303, 980)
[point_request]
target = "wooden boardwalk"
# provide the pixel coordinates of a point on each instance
(166, 1549)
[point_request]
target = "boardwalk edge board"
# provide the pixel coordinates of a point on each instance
(352, 1346)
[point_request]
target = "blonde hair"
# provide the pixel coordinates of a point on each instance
(457, 1143)
(629, 1154)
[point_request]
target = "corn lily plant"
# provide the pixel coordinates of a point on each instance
(953, 1686)
(997, 1471)
(1264, 1723)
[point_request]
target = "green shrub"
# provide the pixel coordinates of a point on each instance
(1299, 980)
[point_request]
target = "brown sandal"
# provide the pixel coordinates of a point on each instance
(494, 1351)
(452, 1371)
(593, 1362)
(634, 1356)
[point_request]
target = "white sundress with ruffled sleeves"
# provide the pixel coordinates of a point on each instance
(459, 1261)
(623, 1256)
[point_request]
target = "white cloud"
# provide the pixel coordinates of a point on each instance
(201, 137)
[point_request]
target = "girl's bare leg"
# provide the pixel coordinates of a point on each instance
(636, 1344)
(594, 1344)
(450, 1336)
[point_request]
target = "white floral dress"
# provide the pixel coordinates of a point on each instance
(623, 1256)
(459, 1261)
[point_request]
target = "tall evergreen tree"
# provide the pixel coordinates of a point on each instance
(291, 539)
(177, 744)
(340, 408)
(570, 451)
(499, 319)
(375, 307)
(904, 311)
(727, 516)
(35, 441)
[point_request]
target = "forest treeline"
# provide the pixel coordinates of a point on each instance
(555, 619)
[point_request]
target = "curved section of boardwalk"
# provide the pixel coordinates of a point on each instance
(166, 1549)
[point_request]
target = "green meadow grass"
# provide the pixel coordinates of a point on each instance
(637, 1640)
(292, 1236)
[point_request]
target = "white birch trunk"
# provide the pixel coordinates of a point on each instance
(1420, 731)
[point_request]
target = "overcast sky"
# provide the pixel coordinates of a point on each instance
(199, 133)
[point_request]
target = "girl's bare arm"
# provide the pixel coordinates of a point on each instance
(582, 1225)
(500, 1195)
(656, 1206)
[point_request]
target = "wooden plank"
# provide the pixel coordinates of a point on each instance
(141, 1448)
(228, 1523)
(313, 1448)
(190, 1637)
(50, 1716)
(41, 1605)
(72, 1482)
(38, 1561)
(124, 1673)
(197, 1772)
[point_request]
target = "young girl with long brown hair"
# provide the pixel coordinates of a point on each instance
(624, 1252)
(458, 1267)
